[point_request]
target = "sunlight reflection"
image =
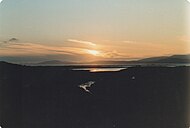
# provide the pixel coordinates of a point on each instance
(100, 69)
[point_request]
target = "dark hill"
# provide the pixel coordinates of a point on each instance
(50, 97)
(167, 59)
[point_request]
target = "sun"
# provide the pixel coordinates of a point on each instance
(93, 52)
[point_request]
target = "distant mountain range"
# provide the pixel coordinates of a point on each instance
(54, 62)
(167, 59)
(177, 59)
(174, 59)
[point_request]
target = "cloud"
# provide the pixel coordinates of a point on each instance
(129, 42)
(34, 49)
(12, 40)
(82, 42)
(127, 49)
(113, 54)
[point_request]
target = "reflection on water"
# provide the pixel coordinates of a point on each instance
(122, 67)
(100, 69)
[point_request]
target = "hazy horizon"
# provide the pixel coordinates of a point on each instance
(90, 30)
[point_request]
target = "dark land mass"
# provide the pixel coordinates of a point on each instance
(168, 59)
(49, 97)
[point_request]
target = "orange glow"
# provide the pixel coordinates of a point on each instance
(93, 52)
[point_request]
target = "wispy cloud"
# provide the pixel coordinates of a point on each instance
(82, 42)
(141, 49)
(128, 41)
(29, 49)
(18, 49)
(112, 54)
(12, 40)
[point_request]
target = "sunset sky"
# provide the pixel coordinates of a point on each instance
(88, 30)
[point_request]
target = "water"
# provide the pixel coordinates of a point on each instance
(122, 67)
(100, 69)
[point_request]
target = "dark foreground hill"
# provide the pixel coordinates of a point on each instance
(49, 97)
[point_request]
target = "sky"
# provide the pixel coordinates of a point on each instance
(88, 30)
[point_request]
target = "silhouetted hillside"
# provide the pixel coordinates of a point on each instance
(50, 97)
(168, 59)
